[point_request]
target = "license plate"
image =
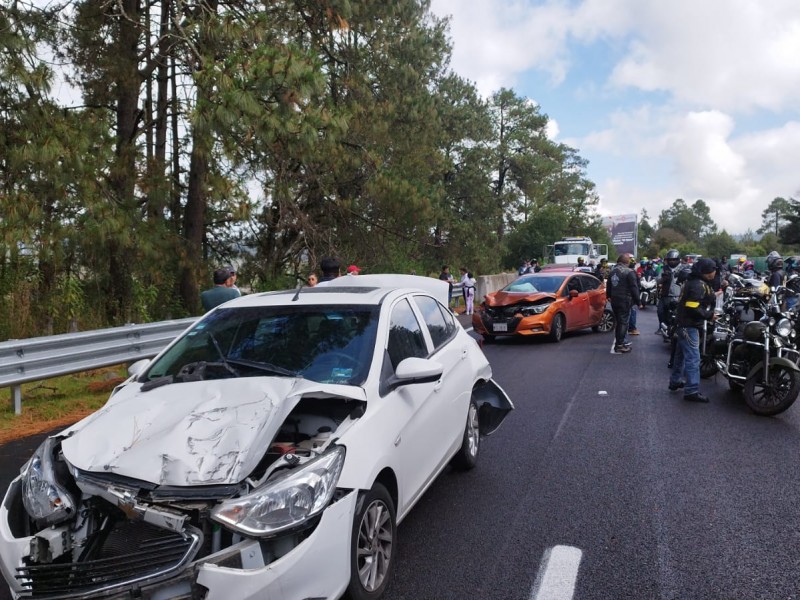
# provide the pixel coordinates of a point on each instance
(500, 327)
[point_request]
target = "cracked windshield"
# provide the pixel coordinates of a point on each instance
(322, 344)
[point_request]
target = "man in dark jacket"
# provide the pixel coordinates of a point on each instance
(695, 307)
(623, 292)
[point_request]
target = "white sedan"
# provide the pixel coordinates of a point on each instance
(269, 452)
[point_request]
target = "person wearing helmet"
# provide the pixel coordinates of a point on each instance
(601, 272)
(582, 266)
(695, 307)
(748, 269)
(668, 285)
(739, 268)
(775, 267)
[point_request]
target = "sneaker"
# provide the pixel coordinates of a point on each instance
(696, 397)
(633, 331)
(621, 349)
(676, 386)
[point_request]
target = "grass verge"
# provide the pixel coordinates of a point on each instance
(57, 402)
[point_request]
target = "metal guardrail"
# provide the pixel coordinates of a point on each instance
(34, 359)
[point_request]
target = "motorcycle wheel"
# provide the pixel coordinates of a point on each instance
(708, 366)
(777, 396)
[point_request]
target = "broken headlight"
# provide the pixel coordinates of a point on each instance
(286, 501)
(47, 500)
(534, 309)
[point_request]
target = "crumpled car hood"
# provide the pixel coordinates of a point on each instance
(197, 433)
(510, 298)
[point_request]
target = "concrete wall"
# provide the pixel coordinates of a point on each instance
(492, 283)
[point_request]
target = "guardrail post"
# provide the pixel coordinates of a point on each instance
(16, 399)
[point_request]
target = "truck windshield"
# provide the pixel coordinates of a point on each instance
(572, 248)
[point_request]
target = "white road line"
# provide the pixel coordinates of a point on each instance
(558, 574)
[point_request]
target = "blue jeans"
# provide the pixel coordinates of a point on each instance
(687, 359)
(632, 321)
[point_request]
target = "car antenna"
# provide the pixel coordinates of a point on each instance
(303, 284)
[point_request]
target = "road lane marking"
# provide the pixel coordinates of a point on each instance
(558, 574)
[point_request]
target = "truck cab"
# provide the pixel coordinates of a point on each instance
(567, 250)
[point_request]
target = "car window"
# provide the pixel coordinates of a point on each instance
(573, 284)
(590, 283)
(405, 335)
(536, 283)
(435, 320)
(327, 344)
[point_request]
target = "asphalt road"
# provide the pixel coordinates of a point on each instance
(641, 494)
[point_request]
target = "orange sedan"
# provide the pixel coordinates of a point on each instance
(548, 303)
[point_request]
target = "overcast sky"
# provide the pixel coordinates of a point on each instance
(682, 99)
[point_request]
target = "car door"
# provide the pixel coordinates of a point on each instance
(577, 307)
(596, 295)
(417, 408)
(454, 388)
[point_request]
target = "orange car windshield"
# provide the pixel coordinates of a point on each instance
(539, 283)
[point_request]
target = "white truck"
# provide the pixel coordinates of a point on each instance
(567, 250)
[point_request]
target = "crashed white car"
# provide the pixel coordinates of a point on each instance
(269, 452)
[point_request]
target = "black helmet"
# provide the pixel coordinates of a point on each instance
(704, 266)
(672, 258)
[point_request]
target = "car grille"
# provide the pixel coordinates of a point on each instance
(132, 552)
(499, 313)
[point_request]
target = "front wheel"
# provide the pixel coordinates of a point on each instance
(776, 396)
(556, 328)
(372, 546)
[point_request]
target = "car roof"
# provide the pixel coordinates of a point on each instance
(357, 289)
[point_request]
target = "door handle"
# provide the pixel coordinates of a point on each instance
(438, 386)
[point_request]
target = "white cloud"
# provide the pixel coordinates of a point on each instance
(497, 41)
(705, 74)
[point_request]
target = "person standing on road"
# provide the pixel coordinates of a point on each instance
(695, 307)
(445, 275)
(623, 292)
(221, 292)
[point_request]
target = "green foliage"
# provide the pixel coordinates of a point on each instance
(272, 134)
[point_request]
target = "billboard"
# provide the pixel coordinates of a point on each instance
(623, 232)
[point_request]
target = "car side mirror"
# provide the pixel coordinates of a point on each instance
(573, 294)
(415, 370)
(138, 367)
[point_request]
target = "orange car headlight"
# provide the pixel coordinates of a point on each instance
(534, 309)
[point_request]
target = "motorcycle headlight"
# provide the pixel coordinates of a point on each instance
(286, 501)
(783, 327)
(46, 500)
(536, 309)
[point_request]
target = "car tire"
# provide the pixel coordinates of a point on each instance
(372, 546)
(467, 456)
(556, 329)
(607, 322)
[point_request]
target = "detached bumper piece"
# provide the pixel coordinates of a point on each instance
(131, 553)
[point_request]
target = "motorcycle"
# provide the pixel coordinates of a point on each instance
(647, 291)
(759, 356)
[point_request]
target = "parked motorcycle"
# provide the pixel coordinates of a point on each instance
(647, 291)
(758, 356)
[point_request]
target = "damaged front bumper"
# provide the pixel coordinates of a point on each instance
(148, 561)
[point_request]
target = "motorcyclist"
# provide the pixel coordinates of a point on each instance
(582, 266)
(668, 289)
(775, 268)
(748, 269)
(695, 307)
(601, 272)
(648, 271)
